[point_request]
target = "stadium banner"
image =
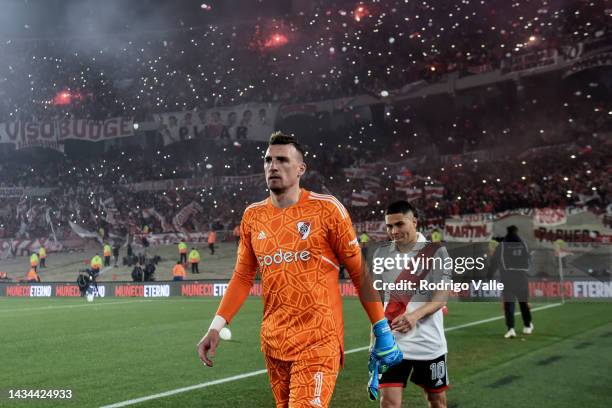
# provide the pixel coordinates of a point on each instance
(531, 60)
(52, 134)
(82, 232)
(469, 228)
(173, 184)
(8, 192)
(577, 237)
(185, 214)
(579, 288)
(549, 217)
(527, 212)
(331, 105)
(152, 212)
(375, 229)
(286, 111)
(23, 247)
(252, 121)
(43, 144)
(172, 238)
(13, 192)
(344, 103)
(197, 183)
(251, 180)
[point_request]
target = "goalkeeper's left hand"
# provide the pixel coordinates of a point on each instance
(383, 355)
(385, 348)
(373, 374)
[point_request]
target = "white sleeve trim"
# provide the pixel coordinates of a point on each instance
(217, 323)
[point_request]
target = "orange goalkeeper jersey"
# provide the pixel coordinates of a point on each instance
(298, 251)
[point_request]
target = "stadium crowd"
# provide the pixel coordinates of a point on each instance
(328, 52)
(94, 192)
(510, 145)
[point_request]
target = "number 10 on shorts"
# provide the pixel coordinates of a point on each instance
(438, 370)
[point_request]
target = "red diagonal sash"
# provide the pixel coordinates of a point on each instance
(399, 299)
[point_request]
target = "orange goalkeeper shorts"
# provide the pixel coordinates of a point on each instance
(303, 383)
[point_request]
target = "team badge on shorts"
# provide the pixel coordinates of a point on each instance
(303, 228)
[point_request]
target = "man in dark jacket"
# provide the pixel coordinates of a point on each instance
(513, 260)
(116, 248)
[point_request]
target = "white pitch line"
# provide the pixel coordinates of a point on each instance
(107, 303)
(185, 389)
(461, 326)
(73, 306)
(259, 372)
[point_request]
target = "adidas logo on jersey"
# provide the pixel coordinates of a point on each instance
(262, 235)
(439, 383)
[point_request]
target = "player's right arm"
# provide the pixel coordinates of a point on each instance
(235, 294)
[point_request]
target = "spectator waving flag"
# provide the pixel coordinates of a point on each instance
(371, 181)
(359, 200)
(412, 193)
(435, 191)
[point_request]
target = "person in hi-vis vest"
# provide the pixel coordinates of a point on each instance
(178, 272)
(107, 252)
(194, 260)
(32, 276)
(34, 261)
(96, 264)
(42, 255)
(212, 239)
(182, 248)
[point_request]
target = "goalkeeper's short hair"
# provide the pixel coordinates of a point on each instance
(280, 138)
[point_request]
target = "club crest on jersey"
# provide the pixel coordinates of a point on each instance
(303, 228)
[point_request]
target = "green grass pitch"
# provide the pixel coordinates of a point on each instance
(115, 350)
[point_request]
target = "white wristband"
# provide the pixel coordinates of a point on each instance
(218, 323)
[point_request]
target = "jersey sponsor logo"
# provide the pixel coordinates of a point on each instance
(262, 235)
(303, 228)
(281, 256)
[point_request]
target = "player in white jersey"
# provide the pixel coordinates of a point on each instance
(415, 316)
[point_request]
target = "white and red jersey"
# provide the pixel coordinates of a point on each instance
(426, 341)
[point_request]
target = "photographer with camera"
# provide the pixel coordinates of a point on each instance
(86, 280)
(149, 271)
(138, 273)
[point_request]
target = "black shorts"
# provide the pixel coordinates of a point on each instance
(431, 375)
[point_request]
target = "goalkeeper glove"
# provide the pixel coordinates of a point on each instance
(385, 349)
(373, 374)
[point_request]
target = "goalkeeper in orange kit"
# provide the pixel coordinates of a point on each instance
(298, 239)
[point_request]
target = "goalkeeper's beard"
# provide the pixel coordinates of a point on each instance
(276, 186)
(278, 190)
